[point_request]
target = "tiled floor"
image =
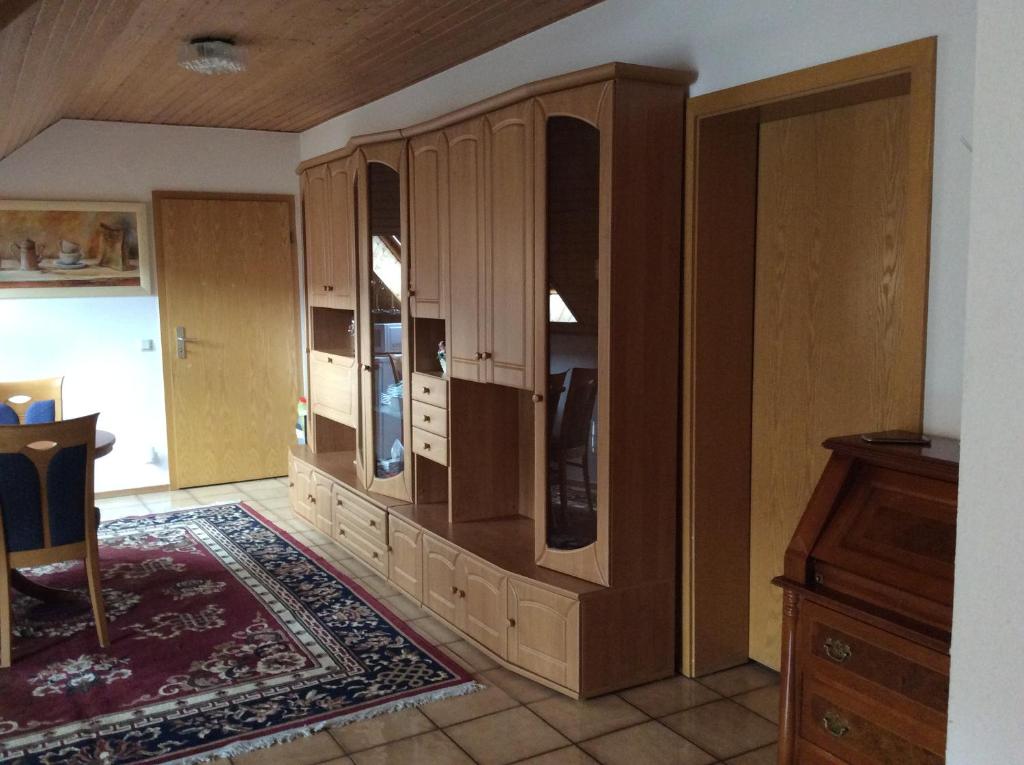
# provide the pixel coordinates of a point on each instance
(729, 717)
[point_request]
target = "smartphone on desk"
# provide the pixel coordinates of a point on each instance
(897, 437)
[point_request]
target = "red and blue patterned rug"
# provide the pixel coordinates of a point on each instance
(226, 635)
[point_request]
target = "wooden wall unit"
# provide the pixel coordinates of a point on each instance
(868, 597)
(764, 258)
(464, 528)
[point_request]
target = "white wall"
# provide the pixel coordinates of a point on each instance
(95, 342)
(986, 724)
(729, 42)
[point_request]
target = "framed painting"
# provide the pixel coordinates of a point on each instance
(73, 249)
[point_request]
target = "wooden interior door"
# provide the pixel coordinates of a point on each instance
(837, 343)
(227, 275)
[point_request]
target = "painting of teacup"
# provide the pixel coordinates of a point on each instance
(70, 252)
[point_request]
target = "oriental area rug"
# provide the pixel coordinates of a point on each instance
(226, 635)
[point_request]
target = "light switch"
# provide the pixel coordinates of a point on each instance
(147, 345)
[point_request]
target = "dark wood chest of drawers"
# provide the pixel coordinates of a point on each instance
(867, 608)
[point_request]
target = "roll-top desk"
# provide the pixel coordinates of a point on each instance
(867, 608)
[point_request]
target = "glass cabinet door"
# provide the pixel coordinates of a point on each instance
(573, 429)
(384, 297)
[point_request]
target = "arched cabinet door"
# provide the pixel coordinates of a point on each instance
(428, 226)
(573, 146)
(315, 210)
(341, 243)
(384, 344)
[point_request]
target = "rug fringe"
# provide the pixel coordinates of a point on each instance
(249, 745)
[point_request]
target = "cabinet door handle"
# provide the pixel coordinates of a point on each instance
(341, 531)
(487, 354)
(376, 554)
(291, 484)
(511, 622)
(367, 368)
(462, 593)
(837, 650)
(479, 355)
(329, 288)
(412, 293)
(835, 725)
(390, 548)
(340, 503)
(537, 398)
(455, 590)
(330, 360)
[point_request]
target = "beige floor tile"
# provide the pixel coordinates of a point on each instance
(219, 761)
(123, 511)
(461, 708)
(434, 630)
(522, 689)
(764, 701)
(308, 750)
(581, 720)
(383, 729)
(216, 494)
(427, 748)
(119, 501)
(469, 656)
(339, 761)
(333, 551)
(505, 737)
(723, 728)
(651, 742)
(312, 538)
(401, 605)
(767, 756)
(276, 503)
(356, 569)
(667, 696)
(569, 755)
(732, 682)
(375, 585)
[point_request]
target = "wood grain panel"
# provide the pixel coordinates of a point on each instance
(838, 342)
(308, 60)
(428, 226)
(227, 273)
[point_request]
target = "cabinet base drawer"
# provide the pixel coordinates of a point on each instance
(372, 553)
(430, 418)
(429, 445)
(429, 390)
(352, 512)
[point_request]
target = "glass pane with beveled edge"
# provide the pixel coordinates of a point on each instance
(573, 162)
(385, 301)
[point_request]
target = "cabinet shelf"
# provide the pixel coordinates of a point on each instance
(506, 542)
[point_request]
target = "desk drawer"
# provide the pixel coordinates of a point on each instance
(429, 390)
(431, 418)
(859, 731)
(877, 663)
(372, 553)
(356, 513)
(429, 445)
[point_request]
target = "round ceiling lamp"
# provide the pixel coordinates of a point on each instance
(211, 55)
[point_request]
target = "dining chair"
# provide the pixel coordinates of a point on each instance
(572, 439)
(22, 394)
(47, 514)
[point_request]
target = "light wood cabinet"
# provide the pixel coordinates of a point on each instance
(467, 255)
(440, 591)
(428, 226)
(482, 603)
(328, 209)
(300, 477)
(544, 632)
(320, 499)
(490, 172)
(405, 557)
(332, 387)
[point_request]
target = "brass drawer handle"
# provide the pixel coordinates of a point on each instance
(479, 355)
(341, 531)
(426, 447)
(291, 484)
(487, 355)
(835, 725)
(340, 503)
(373, 524)
(390, 548)
(426, 389)
(329, 288)
(330, 360)
(426, 418)
(376, 555)
(537, 398)
(837, 650)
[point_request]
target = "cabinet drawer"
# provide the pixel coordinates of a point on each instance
(544, 633)
(429, 390)
(855, 730)
(429, 445)
(370, 551)
(332, 387)
(358, 514)
(431, 418)
(876, 663)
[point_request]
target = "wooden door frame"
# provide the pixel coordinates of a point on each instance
(718, 299)
(167, 343)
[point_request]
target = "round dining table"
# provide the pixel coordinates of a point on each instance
(104, 446)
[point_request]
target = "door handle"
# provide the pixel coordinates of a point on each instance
(179, 335)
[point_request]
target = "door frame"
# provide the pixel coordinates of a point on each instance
(722, 130)
(166, 343)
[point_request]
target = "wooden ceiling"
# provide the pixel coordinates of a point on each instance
(308, 60)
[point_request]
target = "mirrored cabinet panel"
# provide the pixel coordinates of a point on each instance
(573, 427)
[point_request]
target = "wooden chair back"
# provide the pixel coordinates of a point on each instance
(20, 394)
(579, 409)
(47, 508)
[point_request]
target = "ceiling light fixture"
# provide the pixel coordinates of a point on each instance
(211, 55)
